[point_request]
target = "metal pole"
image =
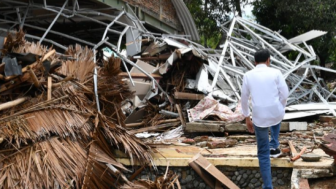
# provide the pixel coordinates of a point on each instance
(223, 52)
(55, 19)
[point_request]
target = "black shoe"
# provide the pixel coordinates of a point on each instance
(274, 153)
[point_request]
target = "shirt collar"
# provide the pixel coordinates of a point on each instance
(261, 66)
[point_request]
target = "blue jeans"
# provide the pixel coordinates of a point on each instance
(264, 145)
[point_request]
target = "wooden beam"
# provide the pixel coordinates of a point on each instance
(188, 96)
(235, 127)
(192, 127)
(211, 171)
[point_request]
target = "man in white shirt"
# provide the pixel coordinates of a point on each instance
(268, 91)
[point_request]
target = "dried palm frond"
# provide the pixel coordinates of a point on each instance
(110, 85)
(37, 125)
(102, 170)
(44, 165)
(119, 138)
(167, 181)
(112, 90)
(14, 40)
(66, 115)
(31, 47)
(82, 67)
(76, 97)
(152, 116)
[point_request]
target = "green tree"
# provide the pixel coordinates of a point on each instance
(294, 17)
(209, 15)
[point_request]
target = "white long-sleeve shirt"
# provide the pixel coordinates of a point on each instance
(268, 91)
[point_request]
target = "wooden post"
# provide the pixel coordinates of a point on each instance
(179, 110)
(49, 88)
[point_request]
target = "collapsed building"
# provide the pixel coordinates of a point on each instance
(82, 81)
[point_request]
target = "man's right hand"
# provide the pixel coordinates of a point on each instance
(249, 124)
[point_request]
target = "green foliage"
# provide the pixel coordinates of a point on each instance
(294, 17)
(209, 15)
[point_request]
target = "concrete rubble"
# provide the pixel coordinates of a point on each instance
(94, 97)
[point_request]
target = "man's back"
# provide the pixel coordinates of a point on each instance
(268, 91)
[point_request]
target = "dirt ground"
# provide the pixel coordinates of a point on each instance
(323, 183)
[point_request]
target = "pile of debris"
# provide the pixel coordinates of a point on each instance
(52, 134)
(64, 113)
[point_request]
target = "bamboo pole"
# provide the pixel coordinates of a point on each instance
(49, 88)
(12, 103)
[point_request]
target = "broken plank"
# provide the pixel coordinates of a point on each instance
(235, 127)
(208, 179)
(292, 148)
(241, 127)
(179, 110)
(188, 96)
(203, 127)
(154, 128)
(213, 171)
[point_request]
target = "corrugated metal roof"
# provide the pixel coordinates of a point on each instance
(186, 19)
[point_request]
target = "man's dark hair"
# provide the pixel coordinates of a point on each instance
(261, 55)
